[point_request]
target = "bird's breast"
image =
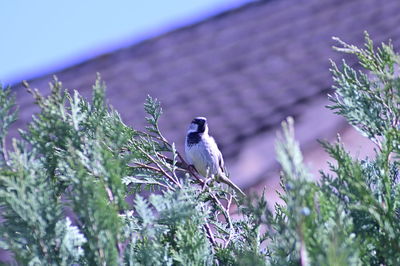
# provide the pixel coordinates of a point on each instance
(201, 156)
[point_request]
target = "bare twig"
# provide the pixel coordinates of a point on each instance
(183, 165)
(159, 167)
(3, 153)
(145, 182)
(110, 194)
(210, 234)
(228, 206)
(225, 212)
(170, 161)
(142, 165)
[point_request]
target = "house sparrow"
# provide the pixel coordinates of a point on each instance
(202, 152)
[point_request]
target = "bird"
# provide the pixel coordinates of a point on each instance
(203, 154)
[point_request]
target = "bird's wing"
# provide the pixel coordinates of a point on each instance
(187, 152)
(221, 162)
(220, 159)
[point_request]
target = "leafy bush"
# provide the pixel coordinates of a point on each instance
(81, 187)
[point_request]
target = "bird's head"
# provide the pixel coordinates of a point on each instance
(198, 125)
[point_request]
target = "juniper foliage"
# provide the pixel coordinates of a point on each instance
(82, 188)
(351, 215)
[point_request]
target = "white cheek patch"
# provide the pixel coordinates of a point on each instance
(192, 128)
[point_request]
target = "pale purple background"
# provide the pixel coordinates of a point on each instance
(43, 36)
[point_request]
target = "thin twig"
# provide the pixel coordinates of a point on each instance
(210, 233)
(144, 182)
(159, 167)
(142, 165)
(183, 165)
(3, 155)
(228, 206)
(231, 231)
(110, 194)
(170, 161)
(227, 217)
(4, 150)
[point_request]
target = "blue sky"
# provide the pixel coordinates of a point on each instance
(42, 36)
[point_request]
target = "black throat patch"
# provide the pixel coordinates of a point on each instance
(201, 127)
(193, 138)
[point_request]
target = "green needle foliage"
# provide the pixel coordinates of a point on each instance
(80, 187)
(351, 215)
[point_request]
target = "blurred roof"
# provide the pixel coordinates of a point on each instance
(246, 69)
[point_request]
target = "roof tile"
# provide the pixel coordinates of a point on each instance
(246, 69)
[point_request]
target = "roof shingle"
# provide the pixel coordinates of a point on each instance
(245, 69)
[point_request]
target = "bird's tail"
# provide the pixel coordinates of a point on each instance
(227, 181)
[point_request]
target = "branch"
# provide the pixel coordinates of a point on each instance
(225, 212)
(210, 234)
(184, 166)
(145, 182)
(159, 167)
